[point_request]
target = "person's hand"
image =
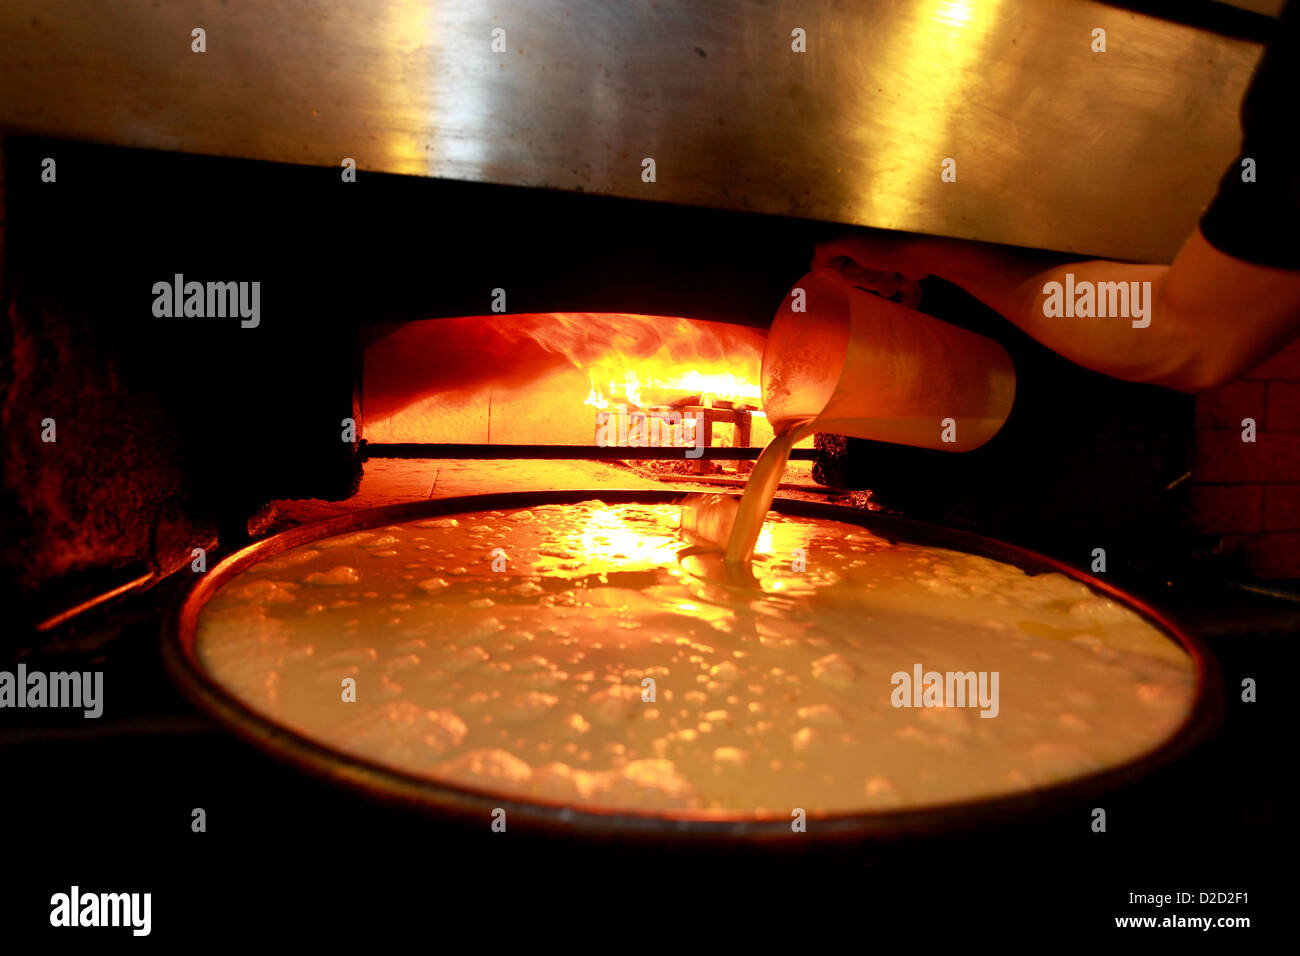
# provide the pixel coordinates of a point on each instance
(882, 263)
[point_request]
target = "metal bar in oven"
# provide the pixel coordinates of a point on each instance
(572, 452)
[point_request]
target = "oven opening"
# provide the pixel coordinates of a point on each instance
(660, 396)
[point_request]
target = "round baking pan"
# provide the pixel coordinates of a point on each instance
(475, 807)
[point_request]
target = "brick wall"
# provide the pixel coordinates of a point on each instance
(1249, 493)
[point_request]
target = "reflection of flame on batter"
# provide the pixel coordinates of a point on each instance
(609, 541)
(608, 538)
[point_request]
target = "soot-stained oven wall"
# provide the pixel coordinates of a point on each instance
(167, 432)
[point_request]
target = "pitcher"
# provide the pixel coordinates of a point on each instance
(853, 363)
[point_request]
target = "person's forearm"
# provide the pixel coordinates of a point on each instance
(1134, 345)
(1209, 318)
(1201, 322)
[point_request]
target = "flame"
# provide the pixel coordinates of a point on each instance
(474, 378)
(724, 385)
(709, 386)
(629, 358)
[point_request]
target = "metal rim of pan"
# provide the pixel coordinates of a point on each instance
(466, 805)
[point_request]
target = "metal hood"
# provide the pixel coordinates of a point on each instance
(1056, 146)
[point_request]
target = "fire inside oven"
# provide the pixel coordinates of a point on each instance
(676, 394)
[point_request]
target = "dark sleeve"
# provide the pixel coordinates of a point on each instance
(1260, 221)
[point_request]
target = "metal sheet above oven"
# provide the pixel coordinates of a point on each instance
(1056, 146)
